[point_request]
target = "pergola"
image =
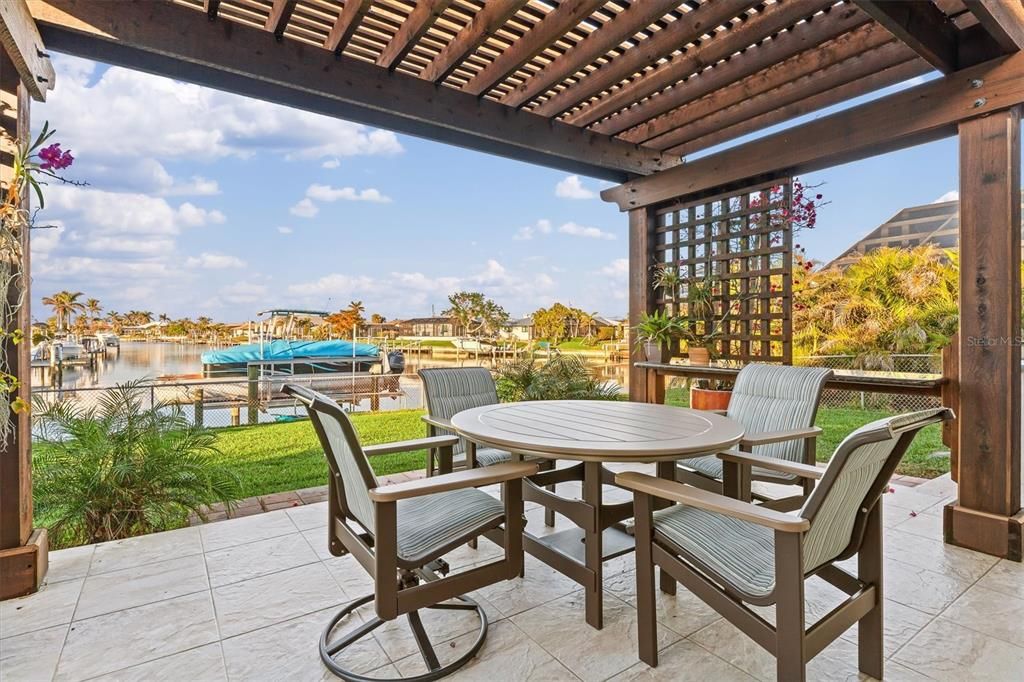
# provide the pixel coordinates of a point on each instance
(622, 90)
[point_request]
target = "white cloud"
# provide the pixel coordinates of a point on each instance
(577, 230)
(243, 292)
(304, 209)
(124, 213)
(331, 163)
(214, 261)
(196, 186)
(614, 278)
(951, 195)
(572, 188)
(618, 268)
(527, 232)
(328, 193)
(284, 229)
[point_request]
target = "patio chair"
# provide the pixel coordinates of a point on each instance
(729, 553)
(399, 533)
(777, 404)
(450, 390)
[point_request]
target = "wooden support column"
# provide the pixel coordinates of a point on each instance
(987, 515)
(641, 226)
(22, 550)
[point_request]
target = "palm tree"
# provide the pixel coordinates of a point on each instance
(93, 308)
(65, 304)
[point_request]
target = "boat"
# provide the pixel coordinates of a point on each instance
(109, 339)
(68, 348)
(286, 356)
(469, 344)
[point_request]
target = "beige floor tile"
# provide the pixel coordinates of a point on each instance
(920, 588)
(910, 499)
(52, 605)
(249, 529)
(464, 555)
(350, 575)
(684, 660)
(126, 638)
(946, 651)
(895, 672)
(317, 539)
(145, 549)
(990, 613)
(145, 584)
(32, 656)
(1006, 577)
(202, 664)
(541, 584)
(935, 555)
(683, 612)
(507, 654)
(253, 559)
(901, 624)
(258, 602)
(307, 516)
(560, 627)
(69, 564)
(926, 525)
(442, 625)
(290, 651)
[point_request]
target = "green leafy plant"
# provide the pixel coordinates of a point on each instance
(657, 327)
(122, 468)
(561, 377)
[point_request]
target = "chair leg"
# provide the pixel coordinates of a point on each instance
(870, 631)
(790, 651)
(549, 514)
(646, 608)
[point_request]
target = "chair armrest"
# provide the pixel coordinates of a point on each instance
(773, 463)
(409, 445)
(750, 440)
(702, 499)
(438, 422)
(470, 478)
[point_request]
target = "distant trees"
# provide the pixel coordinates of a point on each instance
(377, 318)
(561, 322)
(477, 314)
(65, 305)
(347, 320)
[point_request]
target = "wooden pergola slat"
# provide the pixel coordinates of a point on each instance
(772, 19)
(627, 23)
(554, 24)
(638, 123)
(280, 13)
(352, 12)
(1002, 19)
(419, 21)
(489, 19)
(20, 38)
(685, 30)
(921, 25)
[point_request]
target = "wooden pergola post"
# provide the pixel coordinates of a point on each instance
(25, 72)
(641, 226)
(987, 513)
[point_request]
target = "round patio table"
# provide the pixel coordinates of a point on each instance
(593, 433)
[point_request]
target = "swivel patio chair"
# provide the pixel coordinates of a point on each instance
(777, 405)
(730, 553)
(450, 390)
(399, 533)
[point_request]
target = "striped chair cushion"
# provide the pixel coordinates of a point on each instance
(450, 390)
(485, 457)
(737, 553)
(431, 525)
(711, 466)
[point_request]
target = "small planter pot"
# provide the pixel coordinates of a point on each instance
(700, 356)
(654, 352)
(708, 399)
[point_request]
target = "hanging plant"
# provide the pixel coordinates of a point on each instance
(31, 166)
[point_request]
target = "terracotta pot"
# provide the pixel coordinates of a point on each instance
(700, 356)
(654, 352)
(708, 399)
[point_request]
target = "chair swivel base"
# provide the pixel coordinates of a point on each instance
(329, 650)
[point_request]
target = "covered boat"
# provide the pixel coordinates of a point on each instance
(299, 357)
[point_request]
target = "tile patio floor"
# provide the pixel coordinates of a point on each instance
(245, 599)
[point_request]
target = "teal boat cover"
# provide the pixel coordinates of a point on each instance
(289, 350)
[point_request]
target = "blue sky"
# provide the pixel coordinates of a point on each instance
(204, 203)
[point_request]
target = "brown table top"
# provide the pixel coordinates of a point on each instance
(601, 431)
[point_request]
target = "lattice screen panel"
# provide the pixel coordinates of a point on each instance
(741, 245)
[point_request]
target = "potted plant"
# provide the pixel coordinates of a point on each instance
(654, 332)
(710, 394)
(703, 325)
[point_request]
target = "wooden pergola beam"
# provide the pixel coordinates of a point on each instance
(647, 53)
(922, 26)
(772, 19)
(664, 113)
(176, 41)
(484, 23)
(344, 27)
(856, 88)
(627, 23)
(211, 7)
(20, 38)
(920, 114)
(1002, 19)
(553, 26)
(280, 12)
(743, 106)
(415, 26)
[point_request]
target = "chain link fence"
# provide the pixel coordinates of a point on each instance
(909, 364)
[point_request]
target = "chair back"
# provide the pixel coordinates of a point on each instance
(854, 481)
(450, 390)
(345, 457)
(768, 398)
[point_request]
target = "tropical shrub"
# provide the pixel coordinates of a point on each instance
(561, 377)
(121, 468)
